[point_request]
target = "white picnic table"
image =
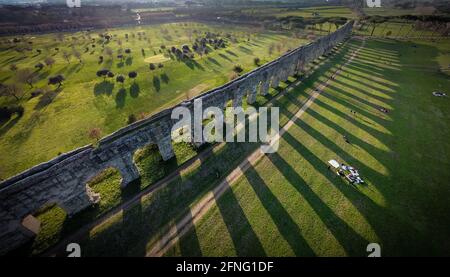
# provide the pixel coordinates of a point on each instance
(334, 163)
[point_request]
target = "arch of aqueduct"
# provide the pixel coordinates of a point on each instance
(63, 179)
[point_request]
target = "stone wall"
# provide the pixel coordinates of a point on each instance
(62, 181)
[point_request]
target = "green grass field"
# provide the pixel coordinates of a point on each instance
(326, 11)
(290, 204)
(159, 208)
(59, 121)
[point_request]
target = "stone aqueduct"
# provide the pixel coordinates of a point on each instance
(63, 179)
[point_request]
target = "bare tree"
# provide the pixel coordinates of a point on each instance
(27, 76)
(11, 90)
(49, 61)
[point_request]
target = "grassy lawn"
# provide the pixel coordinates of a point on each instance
(325, 11)
(59, 121)
(133, 230)
(402, 29)
(291, 204)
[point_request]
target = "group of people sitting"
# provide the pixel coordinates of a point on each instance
(350, 173)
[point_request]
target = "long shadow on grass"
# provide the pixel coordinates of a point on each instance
(245, 240)
(282, 219)
(338, 227)
(6, 125)
(120, 98)
(103, 88)
(387, 226)
(190, 247)
(134, 90)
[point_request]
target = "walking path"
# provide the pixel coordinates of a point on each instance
(176, 231)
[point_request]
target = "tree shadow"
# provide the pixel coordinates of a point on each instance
(245, 50)
(231, 53)
(165, 78)
(225, 57)
(193, 64)
(47, 98)
(134, 90)
(103, 88)
(6, 125)
(129, 61)
(214, 61)
(156, 83)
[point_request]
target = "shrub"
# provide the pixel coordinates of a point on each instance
(160, 65)
(131, 118)
(132, 74)
(39, 66)
(152, 66)
(95, 133)
(120, 79)
(256, 61)
(238, 68)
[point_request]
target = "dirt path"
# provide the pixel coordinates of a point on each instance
(199, 209)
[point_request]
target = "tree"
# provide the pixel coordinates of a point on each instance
(103, 73)
(11, 90)
(27, 76)
(127, 51)
(39, 66)
(152, 66)
(49, 61)
(110, 74)
(238, 68)
(95, 133)
(58, 79)
(132, 75)
(256, 61)
(131, 118)
(120, 79)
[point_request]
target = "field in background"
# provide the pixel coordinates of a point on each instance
(59, 121)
